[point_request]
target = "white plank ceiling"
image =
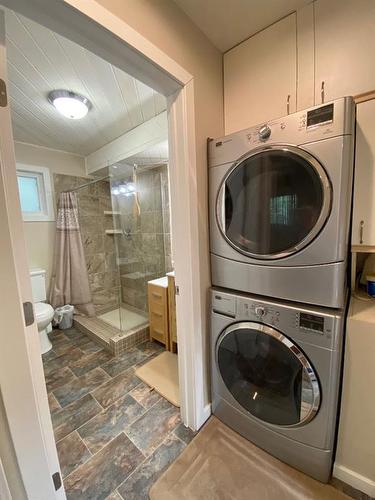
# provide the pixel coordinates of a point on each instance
(39, 61)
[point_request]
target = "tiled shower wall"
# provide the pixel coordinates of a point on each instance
(145, 248)
(99, 248)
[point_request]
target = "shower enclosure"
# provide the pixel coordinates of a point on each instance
(134, 222)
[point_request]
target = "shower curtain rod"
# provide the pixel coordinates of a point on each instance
(88, 184)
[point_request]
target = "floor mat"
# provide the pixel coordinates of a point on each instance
(219, 464)
(161, 373)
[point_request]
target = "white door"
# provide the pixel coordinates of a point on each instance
(344, 45)
(259, 75)
(21, 372)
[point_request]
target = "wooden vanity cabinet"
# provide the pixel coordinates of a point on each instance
(158, 310)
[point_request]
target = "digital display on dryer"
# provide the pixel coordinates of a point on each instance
(311, 322)
(321, 115)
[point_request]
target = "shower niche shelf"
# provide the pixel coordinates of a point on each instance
(110, 212)
(113, 231)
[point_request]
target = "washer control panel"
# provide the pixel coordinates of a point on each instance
(257, 311)
(310, 324)
(224, 303)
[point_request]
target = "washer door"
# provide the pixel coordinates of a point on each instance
(267, 374)
(273, 202)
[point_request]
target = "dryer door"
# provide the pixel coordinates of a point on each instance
(273, 202)
(267, 374)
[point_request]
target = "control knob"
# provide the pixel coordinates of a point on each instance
(260, 311)
(264, 132)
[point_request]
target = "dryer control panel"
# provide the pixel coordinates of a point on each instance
(302, 127)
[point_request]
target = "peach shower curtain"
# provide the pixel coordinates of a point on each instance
(70, 282)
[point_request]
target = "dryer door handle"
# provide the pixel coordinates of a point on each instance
(220, 208)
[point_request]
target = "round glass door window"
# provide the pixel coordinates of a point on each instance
(267, 374)
(274, 202)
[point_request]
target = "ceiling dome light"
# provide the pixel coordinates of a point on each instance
(70, 104)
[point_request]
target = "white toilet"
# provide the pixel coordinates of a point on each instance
(43, 312)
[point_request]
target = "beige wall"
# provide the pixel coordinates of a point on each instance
(40, 236)
(166, 26)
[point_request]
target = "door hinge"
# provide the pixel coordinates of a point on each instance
(177, 290)
(56, 478)
(28, 313)
(3, 94)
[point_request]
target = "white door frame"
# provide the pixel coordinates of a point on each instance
(95, 28)
(21, 372)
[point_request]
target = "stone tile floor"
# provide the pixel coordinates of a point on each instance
(114, 434)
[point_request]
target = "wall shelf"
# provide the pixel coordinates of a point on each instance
(363, 248)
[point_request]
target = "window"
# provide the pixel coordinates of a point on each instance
(34, 186)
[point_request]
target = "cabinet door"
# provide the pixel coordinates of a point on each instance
(344, 44)
(363, 231)
(259, 74)
(158, 313)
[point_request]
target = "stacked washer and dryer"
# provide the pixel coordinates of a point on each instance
(280, 210)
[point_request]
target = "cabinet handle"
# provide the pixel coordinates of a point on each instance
(156, 295)
(288, 105)
(322, 94)
(361, 225)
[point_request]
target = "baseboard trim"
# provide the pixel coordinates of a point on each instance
(354, 479)
(203, 416)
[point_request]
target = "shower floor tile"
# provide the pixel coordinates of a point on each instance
(124, 318)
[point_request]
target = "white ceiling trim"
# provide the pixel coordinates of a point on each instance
(49, 149)
(139, 139)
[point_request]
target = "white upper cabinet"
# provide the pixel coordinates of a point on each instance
(363, 230)
(344, 47)
(259, 75)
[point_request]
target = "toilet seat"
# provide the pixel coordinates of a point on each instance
(43, 311)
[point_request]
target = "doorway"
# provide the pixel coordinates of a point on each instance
(106, 396)
(181, 150)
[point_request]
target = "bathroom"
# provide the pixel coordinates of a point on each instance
(125, 225)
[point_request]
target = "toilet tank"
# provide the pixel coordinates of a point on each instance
(38, 284)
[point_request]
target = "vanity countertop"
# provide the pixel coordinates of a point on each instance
(160, 282)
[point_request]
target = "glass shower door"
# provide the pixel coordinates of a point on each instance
(140, 236)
